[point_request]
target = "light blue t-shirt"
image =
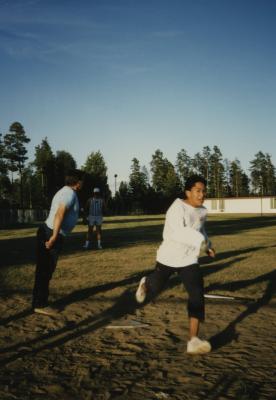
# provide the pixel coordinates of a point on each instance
(69, 198)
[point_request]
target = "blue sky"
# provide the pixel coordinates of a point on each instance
(128, 77)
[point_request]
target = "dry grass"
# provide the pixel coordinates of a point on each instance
(245, 248)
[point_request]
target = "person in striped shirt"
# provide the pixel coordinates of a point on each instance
(94, 210)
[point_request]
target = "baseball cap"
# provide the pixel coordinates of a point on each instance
(96, 190)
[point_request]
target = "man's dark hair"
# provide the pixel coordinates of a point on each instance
(73, 176)
(192, 180)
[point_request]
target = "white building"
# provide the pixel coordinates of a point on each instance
(243, 205)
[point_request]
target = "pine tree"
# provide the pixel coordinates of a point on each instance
(5, 184)
(44, 163)
(236, 178)
(15, 152)
(183, 166)
(64, 162)
(216, 182)
(258, 173)
(159, 169)
(138, 184)
(96, 175)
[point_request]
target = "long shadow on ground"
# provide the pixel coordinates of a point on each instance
(126, 220)
(126, 305)
(78, 295)
(83, 294)
(21, 251)
(229, 333)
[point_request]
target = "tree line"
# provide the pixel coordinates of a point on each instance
(33, 184)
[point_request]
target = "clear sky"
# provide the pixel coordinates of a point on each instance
(127, 77)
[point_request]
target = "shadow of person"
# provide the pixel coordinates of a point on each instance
(11, 318)
(230, 334)
(77, 295)
(125, 305)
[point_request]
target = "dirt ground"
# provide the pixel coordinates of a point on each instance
(103, 346)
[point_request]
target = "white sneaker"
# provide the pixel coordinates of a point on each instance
(198, 346)
(99, 246)
(49, 311)
(141, 292)
(86, 246)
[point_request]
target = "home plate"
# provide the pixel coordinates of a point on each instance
(127, 325)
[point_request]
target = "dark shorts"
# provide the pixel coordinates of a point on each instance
(192, 279)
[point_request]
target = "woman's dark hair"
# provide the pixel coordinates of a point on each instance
(73, 176)
(192, 180)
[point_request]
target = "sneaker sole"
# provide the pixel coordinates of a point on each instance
(204, 349)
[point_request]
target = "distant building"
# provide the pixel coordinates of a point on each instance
(241, 205)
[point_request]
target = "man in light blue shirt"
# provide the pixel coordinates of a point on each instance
(62, 218)
(68, 200)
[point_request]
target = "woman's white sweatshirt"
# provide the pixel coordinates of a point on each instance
(183, 235)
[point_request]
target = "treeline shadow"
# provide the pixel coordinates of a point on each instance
(208, 266)
(236, 225)
(116, 238)
(21, 250)
(121, 220)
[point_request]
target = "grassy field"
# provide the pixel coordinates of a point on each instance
(78, 358)
(245, 248)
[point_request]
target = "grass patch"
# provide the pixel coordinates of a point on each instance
(244, 265)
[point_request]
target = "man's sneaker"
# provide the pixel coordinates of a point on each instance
(49, 311)
(141, 292)
(86, 246)
(198, 346)
(99, 246)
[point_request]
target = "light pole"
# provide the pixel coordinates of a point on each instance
(115, 184)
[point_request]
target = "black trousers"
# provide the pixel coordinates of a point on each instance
(46, 261)
(192, 278)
